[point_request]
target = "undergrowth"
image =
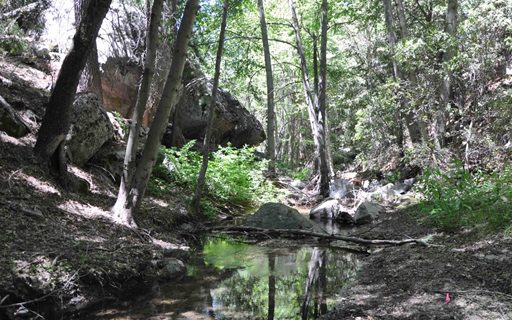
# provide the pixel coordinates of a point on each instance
(234, 179)
(458, 198)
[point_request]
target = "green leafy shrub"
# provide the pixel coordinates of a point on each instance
(234, 177)
(457, 198)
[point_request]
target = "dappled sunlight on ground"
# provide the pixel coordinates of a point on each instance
(84, 210)
(40, 185)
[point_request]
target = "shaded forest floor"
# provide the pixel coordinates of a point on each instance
(412, 282)
(63, 249)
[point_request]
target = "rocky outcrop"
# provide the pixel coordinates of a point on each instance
(279, 216)
(90, 128)
(367, 212)
(233, 123)
(10, 122)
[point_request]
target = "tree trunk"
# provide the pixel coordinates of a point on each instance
(445, 89)
(90, 80)
(413, 124)
(140, 105)
(322, 104)
(196, 201)
(165, 106)
(312, 101)
(271, 147)
(57, 118)
(162, 66)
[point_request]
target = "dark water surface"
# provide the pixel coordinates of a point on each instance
(234, 280)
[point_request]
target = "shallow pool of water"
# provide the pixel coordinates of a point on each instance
(234, 280)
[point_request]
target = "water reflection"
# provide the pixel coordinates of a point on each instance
(239, 281)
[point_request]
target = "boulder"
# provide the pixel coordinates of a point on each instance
(340, 188)
(328, 209)
(279, 216)
(367, 212)
(90, 128)
(169, 268)
(10, 122)
(232, 123)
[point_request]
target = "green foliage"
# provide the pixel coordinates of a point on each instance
(14, 42)
(301, 174)
(235, 178)
(457, 198)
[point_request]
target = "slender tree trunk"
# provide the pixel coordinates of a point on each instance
(445, 89)
(322, 104)
(196, 201)
(413, 124)
(140, 105)
(57, 119)
(90, 80)
(312, 101)
(271, 147)
(165, 106)
(162, 65)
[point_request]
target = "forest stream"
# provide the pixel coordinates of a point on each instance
(230, 279)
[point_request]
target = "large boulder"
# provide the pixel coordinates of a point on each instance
(333, 209)
(10, 122)
(367, 212)
(232, 123)
(90, 128)
(279, 216)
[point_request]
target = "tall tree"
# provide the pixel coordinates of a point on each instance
(445, 91)
(196, 201)
(90, 80)
(140, 105)
(124, 212)
(312, 100)
(57, 119)
(271, 145)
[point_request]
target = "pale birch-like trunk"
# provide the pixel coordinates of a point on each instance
(166, 105)
(123, 201)
(271, 145)
(196, 201)
(312, 101)
(445, 88)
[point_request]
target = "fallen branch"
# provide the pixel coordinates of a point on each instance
(323, 236)
(22, 10)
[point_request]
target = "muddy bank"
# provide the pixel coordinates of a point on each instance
(463, 275)
(62, 254)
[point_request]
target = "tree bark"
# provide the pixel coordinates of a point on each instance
(271, 146)
(123, 201)
(196, 201)
(90, 79)
(445, 91)
(322, 104)
(166, 105)
(312, 101)
(57, 118)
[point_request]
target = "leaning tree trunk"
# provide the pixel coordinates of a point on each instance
(196, 201)
(56, 122)
(140, 105)
(271, 145)
(165, 106)
(90, 80)
(445, 89)
(312, 102)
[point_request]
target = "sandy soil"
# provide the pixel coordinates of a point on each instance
(463, 275)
